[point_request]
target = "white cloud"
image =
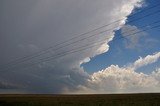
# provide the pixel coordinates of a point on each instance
(56, 20)
(115, 79)
(145, 61)
(156, 74)
(132, 41)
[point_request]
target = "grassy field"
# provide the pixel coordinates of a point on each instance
(81, 100)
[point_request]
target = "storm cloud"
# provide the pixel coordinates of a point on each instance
(115, 79)
(30, 26)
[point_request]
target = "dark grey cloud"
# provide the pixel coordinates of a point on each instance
(30, 26)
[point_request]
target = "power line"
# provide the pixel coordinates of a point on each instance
(85, 47)
(84, 38)
(143, 26)
(46, 50)
(102, 41)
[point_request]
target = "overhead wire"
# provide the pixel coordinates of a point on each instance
(34, 56)
(82, 48)
(44, 51)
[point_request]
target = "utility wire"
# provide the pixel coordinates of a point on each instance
(46, 50)
(82, 39)
(102, 41)
(82, 48)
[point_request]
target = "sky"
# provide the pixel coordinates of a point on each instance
(119, 54)
(60, 47)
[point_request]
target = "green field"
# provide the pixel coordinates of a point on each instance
(81, 100)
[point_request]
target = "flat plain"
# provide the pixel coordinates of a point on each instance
(143, 99)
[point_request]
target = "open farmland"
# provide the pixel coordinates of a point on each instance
(81, 100)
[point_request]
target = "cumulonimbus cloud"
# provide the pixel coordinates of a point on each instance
(115, 79)
(43, 23)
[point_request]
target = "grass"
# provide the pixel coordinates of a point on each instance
(147, 99)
